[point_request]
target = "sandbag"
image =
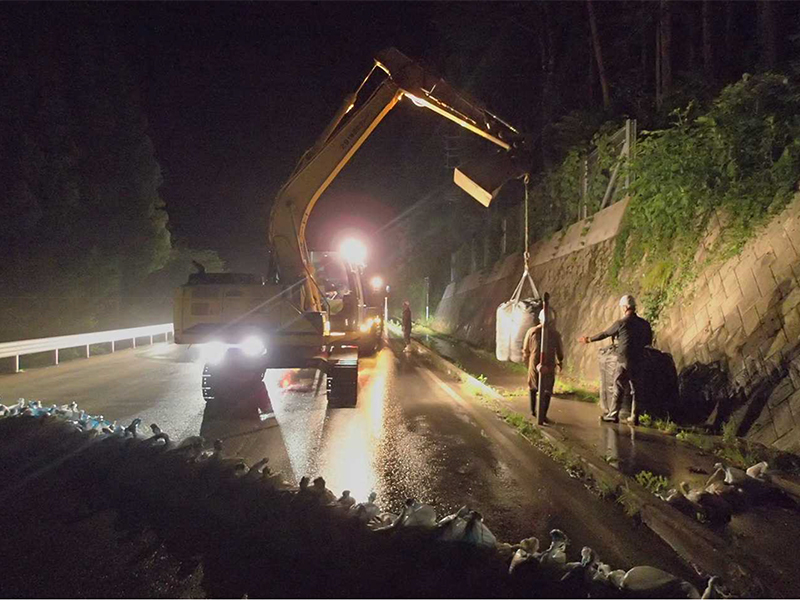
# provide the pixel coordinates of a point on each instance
(659, 382)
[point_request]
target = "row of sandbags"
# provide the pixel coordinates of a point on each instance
(194, 478)
(729, 490)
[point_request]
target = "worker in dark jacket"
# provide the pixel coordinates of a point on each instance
(407, 322)
(542, 362)
(633, 333)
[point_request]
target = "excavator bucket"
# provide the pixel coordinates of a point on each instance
(482, 178)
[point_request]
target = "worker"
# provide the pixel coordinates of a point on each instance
(407, 322)
(633, 333)
(544, 363)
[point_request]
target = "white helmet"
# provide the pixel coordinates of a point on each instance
(628, 301)
(550, 311)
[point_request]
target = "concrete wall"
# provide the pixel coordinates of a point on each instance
(734, 333)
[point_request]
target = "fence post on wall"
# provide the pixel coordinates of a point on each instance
(86, 351)
(473, 255)
(55, 356)
(113, 346)
(584, 188)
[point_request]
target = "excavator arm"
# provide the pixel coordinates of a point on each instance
(345, 135)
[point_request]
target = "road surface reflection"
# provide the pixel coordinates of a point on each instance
(301, 435)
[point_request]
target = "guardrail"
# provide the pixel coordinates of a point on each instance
(11, 351)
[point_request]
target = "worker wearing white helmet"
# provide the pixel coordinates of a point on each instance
(543, 363)
(632, 333)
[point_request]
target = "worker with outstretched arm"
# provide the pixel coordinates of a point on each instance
(633, 333)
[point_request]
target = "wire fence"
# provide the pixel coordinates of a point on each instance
(603, 178)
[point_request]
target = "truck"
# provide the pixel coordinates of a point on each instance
(299, 316)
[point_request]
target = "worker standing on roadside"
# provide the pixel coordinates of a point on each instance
(633, 333)
(542, 362)
(407, 322)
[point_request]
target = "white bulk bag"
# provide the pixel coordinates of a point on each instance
(522, 318)
(513, 320)
(502, 338)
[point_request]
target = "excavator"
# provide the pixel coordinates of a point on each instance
(312, 313)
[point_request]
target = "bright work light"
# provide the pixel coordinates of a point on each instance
(213, 352)
(354, 251)
(252, 346)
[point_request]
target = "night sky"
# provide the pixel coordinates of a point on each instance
(235, 92)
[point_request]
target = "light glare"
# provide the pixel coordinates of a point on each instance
(213, 352)
(354, 251)
(252, 346)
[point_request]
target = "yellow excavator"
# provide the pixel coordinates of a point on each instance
(245, 325)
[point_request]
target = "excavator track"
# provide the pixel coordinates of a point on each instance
(342, 381)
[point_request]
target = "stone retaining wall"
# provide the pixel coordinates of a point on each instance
(734, 333)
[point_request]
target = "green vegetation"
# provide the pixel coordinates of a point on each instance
(522, 424)
(667, 426)
(704, 443)
(730, 449)
(655, 484)
(729, 431)
(740, 159)
(84, 227)
(515, 392)
(630, 503)
(564, 387)
(605, 490)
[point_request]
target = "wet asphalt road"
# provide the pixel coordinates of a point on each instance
(412, 434)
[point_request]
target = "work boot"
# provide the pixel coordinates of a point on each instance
(609, 419)
(633, 421)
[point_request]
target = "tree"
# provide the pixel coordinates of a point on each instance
(767, 33)
(664, 53)
(708, 56)
(83, 221)
(599, 56)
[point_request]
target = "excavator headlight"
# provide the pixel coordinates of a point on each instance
(213, 352)
(252, 346)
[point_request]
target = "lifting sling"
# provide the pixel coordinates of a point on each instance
(515, 317)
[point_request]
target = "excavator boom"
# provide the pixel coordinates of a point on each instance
(248, 326)
(345, 135)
